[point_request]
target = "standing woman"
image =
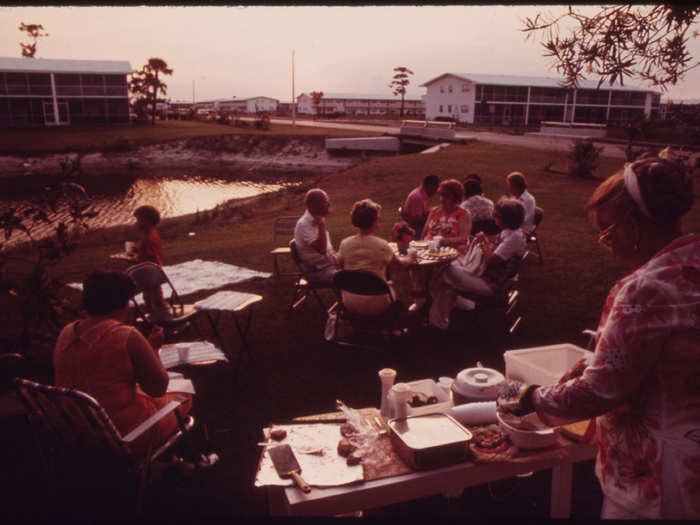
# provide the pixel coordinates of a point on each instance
(643, 383)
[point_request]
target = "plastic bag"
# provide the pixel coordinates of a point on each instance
(366, 439)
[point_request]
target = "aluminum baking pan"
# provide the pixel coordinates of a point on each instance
(430, 440)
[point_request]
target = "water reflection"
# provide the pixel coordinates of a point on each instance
(173, 197)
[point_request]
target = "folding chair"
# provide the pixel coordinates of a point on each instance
(75, 435)
(366, 283)
(148, 275)
(303, 285)
(283, 228)
(532, 237)
(505, 299)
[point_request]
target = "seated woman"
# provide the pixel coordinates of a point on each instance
(150, 249)
(479, 206)
(517, 186)
(508, 214)
(114, 363)
(449, 221)
(366, 251)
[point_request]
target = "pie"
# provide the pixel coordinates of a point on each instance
(489, 440)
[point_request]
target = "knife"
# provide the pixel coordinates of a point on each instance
(287, 466)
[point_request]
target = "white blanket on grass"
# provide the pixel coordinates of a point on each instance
(196, 275)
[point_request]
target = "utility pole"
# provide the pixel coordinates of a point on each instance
(294, 105)
(193, 92)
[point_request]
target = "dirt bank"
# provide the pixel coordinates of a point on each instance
(252, 152)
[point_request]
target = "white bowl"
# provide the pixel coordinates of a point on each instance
(527, 439)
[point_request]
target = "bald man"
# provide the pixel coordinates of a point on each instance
(312, 239)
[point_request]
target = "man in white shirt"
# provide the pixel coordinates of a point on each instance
(518, 189)
(312, 239)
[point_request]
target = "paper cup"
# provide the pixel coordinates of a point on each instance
(183, 353)
(128, 246)
(412, 253)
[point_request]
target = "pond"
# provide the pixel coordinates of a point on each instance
(173, 196)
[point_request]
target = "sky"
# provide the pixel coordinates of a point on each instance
(222, 52)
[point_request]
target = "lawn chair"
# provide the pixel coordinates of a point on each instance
(77, 439)
(303, 285)
(283, 229)
(148, 275)
(532, 237)
(363, 282)
(504, 300)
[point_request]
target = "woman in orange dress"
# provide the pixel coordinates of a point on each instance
(114, 363)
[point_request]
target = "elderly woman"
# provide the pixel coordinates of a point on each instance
(449, 221)
(642, 383)
(459, 275)
(517, 186)
(366, 251)
(114, 363)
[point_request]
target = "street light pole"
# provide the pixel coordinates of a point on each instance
(294, 106)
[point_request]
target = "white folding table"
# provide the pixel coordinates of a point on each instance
(290, 501)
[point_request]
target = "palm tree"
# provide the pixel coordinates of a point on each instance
(399, 82)
(154, 67)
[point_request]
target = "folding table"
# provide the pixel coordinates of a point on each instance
(233, 303)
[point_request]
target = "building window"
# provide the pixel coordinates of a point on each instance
(449, 109)
(465, 109)
(442, 89)
(465, 88)
(440, 108)
(449, 88)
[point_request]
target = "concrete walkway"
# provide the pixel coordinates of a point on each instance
(525, 141)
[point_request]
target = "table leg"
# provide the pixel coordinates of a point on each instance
(277, 502)
(243, 332)
(560, 505)
(214, 316)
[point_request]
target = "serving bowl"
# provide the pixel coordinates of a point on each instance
(527, 432)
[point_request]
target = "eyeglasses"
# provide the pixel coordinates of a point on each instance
(605, 235)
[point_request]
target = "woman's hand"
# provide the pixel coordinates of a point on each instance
(156, 337)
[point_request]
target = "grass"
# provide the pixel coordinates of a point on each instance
(34, 141)
(294, 372)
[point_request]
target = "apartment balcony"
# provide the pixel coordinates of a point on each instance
(91, 91)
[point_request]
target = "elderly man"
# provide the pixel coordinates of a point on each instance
(312, 239)
(415, 209)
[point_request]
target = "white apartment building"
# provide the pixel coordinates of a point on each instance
(240, 105)
(521, 100)
(362, 105)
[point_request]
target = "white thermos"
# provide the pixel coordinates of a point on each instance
(387, 377)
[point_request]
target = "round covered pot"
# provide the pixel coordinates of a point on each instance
(476, 384)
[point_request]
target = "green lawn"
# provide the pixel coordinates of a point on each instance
(33, 141)
(294, 372)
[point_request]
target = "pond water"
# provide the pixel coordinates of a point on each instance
(173, 196)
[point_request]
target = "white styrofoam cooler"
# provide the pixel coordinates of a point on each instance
(543, 365)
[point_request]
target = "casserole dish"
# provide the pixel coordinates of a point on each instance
(429, 441)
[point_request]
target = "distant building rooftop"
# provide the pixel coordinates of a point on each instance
(231, 99)
(44, 65)
(367, 96)
(685, 101)
(518, 80)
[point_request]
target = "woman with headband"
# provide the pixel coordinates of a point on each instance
(643, 383)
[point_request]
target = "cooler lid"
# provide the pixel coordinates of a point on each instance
(478, 382)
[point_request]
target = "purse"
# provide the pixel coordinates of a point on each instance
(473, 261)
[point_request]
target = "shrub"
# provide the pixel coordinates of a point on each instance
(584, 157)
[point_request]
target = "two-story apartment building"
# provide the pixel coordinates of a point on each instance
(239, 105)
(50, 92)
(522, 100)
(361, 105)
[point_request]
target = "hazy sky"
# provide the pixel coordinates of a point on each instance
(246, 51)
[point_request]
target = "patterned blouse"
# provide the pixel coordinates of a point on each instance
(440, 223)
(480, 207)
(644, 386)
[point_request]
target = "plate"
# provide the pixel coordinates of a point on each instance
(446, 252)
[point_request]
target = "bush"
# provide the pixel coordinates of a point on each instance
(584, 157)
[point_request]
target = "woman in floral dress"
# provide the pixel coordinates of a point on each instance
(644, 380)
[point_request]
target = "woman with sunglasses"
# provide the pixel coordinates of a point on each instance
(643, 383)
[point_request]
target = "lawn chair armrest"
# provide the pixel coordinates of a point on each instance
(153, 420)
